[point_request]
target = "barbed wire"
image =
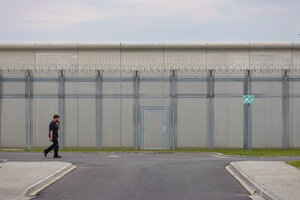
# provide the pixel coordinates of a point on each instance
(21, 65)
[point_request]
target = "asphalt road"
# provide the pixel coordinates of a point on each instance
(127, 176)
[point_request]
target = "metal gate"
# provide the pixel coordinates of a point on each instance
(155, 131)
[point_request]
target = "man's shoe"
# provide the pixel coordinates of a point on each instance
(56, 156)
(45, 153)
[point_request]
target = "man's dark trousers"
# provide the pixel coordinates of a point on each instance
(53, 146)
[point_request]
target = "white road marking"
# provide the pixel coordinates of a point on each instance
(114, 156)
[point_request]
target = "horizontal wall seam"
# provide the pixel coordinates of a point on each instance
(92, 80)
(148, 96)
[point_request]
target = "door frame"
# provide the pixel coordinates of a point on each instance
(166, 125)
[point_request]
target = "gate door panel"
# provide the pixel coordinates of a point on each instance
(155, 127)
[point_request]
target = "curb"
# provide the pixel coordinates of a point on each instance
(3, 160)
(34, 189)
(249, 183)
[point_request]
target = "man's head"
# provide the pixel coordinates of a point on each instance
(56, 118)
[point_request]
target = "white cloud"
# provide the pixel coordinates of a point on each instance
(182, 9)
(61, 13)
(54, 14)
(155, 18)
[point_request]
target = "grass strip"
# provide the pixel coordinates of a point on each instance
(294, 163)
(226, 151)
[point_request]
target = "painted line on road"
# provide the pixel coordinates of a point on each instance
(219, 155)
(114, 156)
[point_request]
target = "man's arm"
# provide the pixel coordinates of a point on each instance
(51, 135)
(57, 124)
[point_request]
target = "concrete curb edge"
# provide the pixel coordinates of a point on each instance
(257, 189)
(45, 182)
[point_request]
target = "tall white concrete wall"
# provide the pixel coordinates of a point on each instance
(118, 119)
(206, 115)
(267, 113)
(228, 112)
(192, 107)
(192, 113)
(294, 113)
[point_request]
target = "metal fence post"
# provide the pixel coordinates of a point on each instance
(1, 92)
(136, 106)
(29, 97)
(99, 110)
(62, 109)
(173, 111)
(211, 117)
(285, 110)
(249, 115)
(247, 142)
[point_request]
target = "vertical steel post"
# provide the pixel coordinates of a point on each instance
(29, 97)
(136, 106)
(247, 138)
(246, 114)
(1, 92)
(211, 110)
(62, 109)
(99, 110)
(173, 110)
(285, 110)
(249, 113)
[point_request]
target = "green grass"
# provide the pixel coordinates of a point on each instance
(294, 163)
(254, 152)
(227, 151)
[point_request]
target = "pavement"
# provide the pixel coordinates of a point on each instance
(144, 176)
(270, 179)
(20, 180)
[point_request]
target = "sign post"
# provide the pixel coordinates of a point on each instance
(248, 99)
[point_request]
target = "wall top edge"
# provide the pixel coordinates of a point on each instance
(148, 46)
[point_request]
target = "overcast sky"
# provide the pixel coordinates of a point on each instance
(149, 20)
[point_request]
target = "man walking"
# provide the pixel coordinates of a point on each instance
(53, 135)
